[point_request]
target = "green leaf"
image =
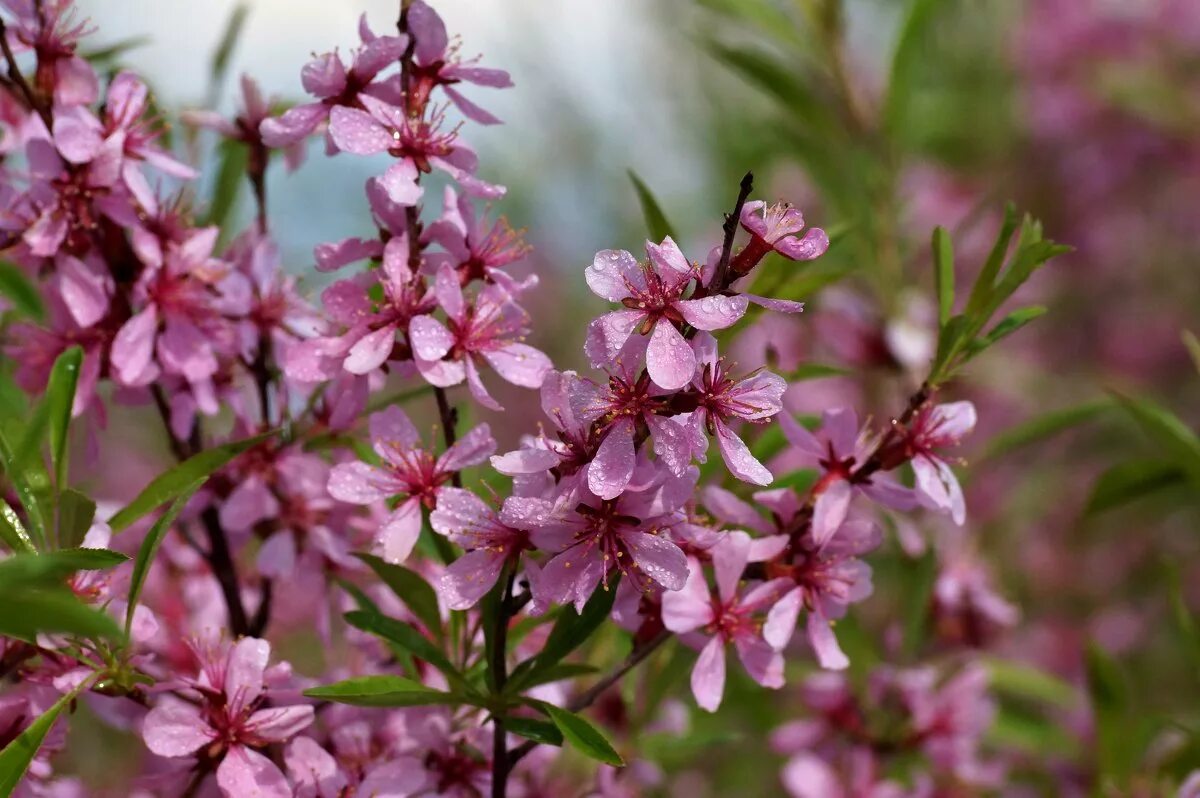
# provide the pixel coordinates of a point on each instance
(1111, 705)
(1007, 326)
(981, 292)
(60, 398)
(1131, 480)
(1193, 346)
(382, 691)
(657, 225)
(409, 639)
(533, 729)
(172, 483)
(25, 490)
(584, 736)
(149, 548)
(29, 612)
(943, 274)
(52, 567)
(569, 632)
(21, 292)
(1045, 426)
(1022, 681)
(16, 756)
(919, 581)
(12, 531)
(411, 588)
(229, 40)
(75, 515)
(815, 371)
(103, 56)
(1177, 441)
(232, 160)
(907, 55)
(557, 673)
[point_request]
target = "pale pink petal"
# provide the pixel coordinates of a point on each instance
(469, 109)
(808, 776)
(763, 663)
(470, 577)
(359, 483)
(732, 510)
(250, 502)
(427, 28)
(449, 292)
(133, 346)
(712, 312)
(402, 777)
(606, 336)
(525, 461)
(671, 443)
(392, 432)
(708, 675)
(689, 608)
(669, 359)
(244, 671)
(812, 245)
(324, 76)
(520, 364)
(612, 467)
(277, 724)
(830, 510)
(777, 305)
(77, 134)
(824, 644)
(357, 131)
(244, 773)
(313, 770)
(658, 558)
(609, 274)
(336, 254)
(277, 556)
(400, 532)
(175, 728)
(294, 125)
(781, 619)
(371, 351)
(471, 449)
(729, 560)
(85, 291)
(400, 182)
(480, 76)
(738, 459)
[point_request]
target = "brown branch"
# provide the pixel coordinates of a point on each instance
(730, 227)
(18, 79)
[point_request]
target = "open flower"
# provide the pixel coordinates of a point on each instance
(408, 471)
(230, 720)
(492, 329)
(720, 398)
(652, 295)
(775, 227)
(731, 618)
(933, 428)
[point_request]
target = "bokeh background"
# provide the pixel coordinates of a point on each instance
(1085, 113)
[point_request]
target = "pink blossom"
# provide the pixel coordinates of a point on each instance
(775, 227)
(407, 471)
(720, 399)
(594, 538)
(490, 329)
(230, 720)
(245, 126)
(491, 539)
(936, 427)
(416, 142)
(652, 295)
(838, 449)
(51, 29)
(731, 618)
(621, 410)
(476, 249)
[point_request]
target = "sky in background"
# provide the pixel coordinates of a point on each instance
(593, 97)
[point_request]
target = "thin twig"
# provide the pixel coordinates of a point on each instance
(499, 666)
(18, 79)
(730, 227)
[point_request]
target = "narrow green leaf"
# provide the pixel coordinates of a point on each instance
(174, 482)
(149, 548)
(815, 371)
(1111, 705)
(102, 56)
(583, 736)
(908, 53)
(1177, 441)
(228, 41)
(12, 531)
(1021, 681)
(919, 582)
(943, 274)
(60, 398)
(656, 221)
(16, 756)
(532, 729)
(29, 612)
(571, 630)
(49, 569)
(555, 673)
(981, 292)
(1193, 346)
(1006, 327)
(409, 639)
(75, 515)
(30, 501)
(1185, 621)
(411, 588)
(1045, 426)
(21, 292)
(1131, 480)
(232, 160)
(382, 691)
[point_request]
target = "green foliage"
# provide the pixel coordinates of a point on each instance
(232, 160)
(943, 274)
(583, 736)
(60, 398)
(410, 640)
(12, 531)
(36, 599)
(149, 548)
(179, 479)
(410, 588)
(16, 756)
(382, 691)
(657, 225)
(75, 515)
(21, 292)
(570, 631)
(1131, 480)
(1112, 705)
(533, 729)
(1179, 444)
(1045, 426)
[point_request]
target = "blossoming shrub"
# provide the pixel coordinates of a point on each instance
(462, 601)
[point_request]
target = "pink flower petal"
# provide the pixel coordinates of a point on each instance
(400, 532)
(357, 131)
(612, 467)
(712, 312)
(830, 511)
(277, 724)
(607, 335)
(611, 273)
(738, 459)
(708, 675)
(248, 773)
(669, 359)
(658, 558)
(175, 728)
(359, 483)
(470, 577)
(471, 449)
(371, 351)
(690, 608)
